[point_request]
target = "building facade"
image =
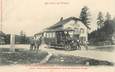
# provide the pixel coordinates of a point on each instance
(72, 25)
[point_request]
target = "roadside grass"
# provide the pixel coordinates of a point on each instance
(8, 57)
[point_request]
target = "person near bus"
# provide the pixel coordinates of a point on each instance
(38, 43)
(32, 45)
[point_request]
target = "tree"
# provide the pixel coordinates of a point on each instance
(84, 15)
(100, 20)
(108, 16)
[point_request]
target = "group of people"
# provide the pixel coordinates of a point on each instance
(35, 43)
(69, 42)
(75, 42)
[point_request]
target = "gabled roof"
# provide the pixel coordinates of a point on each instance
(64, 21)
(56, 26)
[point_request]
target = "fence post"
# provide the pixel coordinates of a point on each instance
(12, 42)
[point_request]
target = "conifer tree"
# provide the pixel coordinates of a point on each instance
(84, 15)
(100, 20)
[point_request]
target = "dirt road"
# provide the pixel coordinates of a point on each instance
(95, 54)
(99, 55)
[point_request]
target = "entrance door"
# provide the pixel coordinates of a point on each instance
(60, 36)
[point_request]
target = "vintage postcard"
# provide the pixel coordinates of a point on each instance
(57, 35)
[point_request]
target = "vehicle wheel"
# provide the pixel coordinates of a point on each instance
(68, 47)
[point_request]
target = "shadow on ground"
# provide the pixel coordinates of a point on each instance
(76, 61)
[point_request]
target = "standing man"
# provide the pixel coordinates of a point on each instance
(86, 46)
(77, 42)
(32, 44)
(38, 42)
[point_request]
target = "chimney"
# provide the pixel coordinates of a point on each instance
(61, 18)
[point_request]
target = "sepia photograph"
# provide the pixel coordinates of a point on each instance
(57, 35)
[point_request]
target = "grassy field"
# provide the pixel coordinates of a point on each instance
(20, 57)
(28, 57)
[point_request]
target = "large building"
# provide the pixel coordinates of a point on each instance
(72, 25)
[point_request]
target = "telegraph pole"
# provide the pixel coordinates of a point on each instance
(1, 21)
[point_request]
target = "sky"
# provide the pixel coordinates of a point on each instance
(32, 16)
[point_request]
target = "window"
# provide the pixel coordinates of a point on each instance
(76, 31)
(50, 35)
(45, 34)
(82, 31)
(53, 34)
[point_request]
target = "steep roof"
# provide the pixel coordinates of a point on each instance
(64, 21)
(56, 26)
